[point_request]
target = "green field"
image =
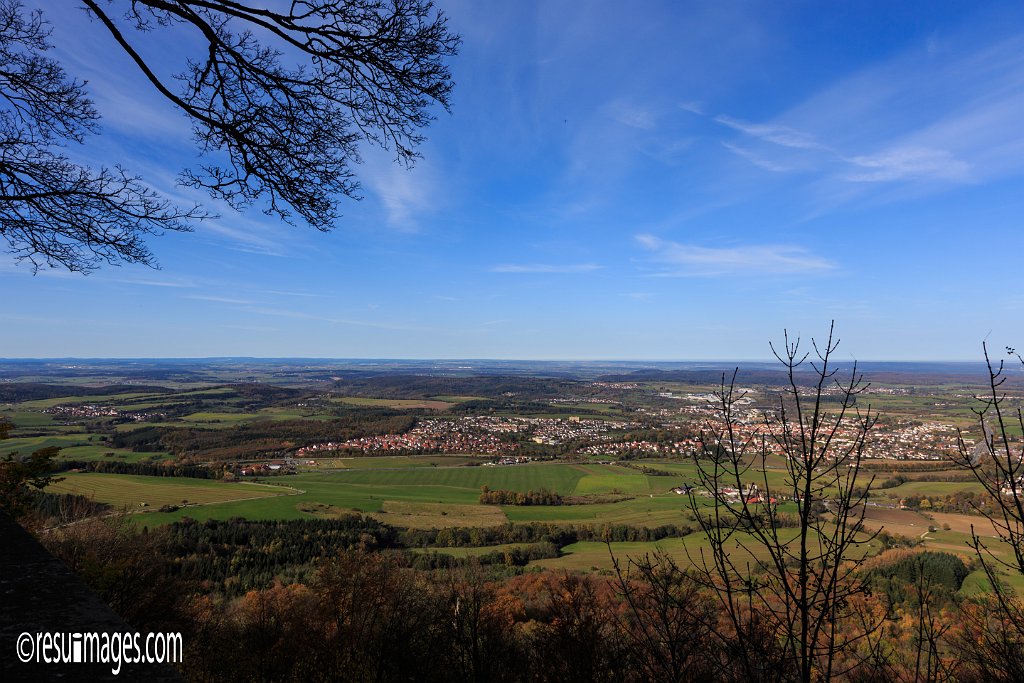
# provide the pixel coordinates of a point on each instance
(132, 491)
(26, 445)
(388, 462)
(473, 551)
(426, 491)
(929, 488)
(21, 419)
(401, 403)
(977, 582)
(458, 399)
(98, 399)
(594, 555)
(205, 417)
(74, 447)
(378, 490)
(91, 453)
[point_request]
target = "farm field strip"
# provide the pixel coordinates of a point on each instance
(928, 488)
(588, 555)
(28, 444)
(555, 477)
(389, 462)
(132, 491)
(402, 403)
(43, 403)
(22, 419)
(93, 452)
(473, 551)
(371, 490)
(438, 515)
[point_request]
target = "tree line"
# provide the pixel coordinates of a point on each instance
(260, 438)
(542, 496)
(148, 469)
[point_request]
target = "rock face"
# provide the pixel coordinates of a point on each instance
(38, 594)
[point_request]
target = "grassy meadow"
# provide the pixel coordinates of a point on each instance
(414, 495)
(134, 492)
(77, 446)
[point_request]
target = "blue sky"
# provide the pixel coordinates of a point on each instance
(654, 180)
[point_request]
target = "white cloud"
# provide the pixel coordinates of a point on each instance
(251, 328)
(300, 315)
(757, 160)
(146, 282)
(220, 299)
(406, 193)
(935, 115)
(774, 133)
(897, 162)
(290, 293)
(693, 260)
(905, 163)
(632, 115)
(247, 238)
(545, 268)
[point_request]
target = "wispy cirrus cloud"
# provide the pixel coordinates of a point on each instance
(220, 299)
(404, 193)
(159, 283)
(937, 114)
(291, 293)
(632, 115)
(690, 260)
(141, 278)
(301, 315)
(758, 160)
(781, 149)
(784, 136)
(546, 268)
(902, 163)
(247, 239)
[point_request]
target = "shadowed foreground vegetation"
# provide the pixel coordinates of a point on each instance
(342, 600)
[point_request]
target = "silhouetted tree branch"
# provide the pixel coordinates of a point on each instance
(280, 103)
(795, 574)
(997, 462)
(55, 211)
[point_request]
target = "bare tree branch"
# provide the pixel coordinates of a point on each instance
(803, 580)
(280, 103)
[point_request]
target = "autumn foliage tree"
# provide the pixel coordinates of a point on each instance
(22, 477)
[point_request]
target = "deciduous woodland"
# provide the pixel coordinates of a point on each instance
(348, 599)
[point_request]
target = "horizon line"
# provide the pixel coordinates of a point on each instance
(469, 360)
